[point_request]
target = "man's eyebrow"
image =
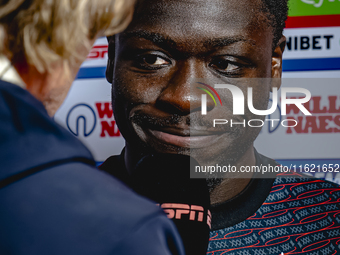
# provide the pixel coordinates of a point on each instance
(156, 38)
(220, 42)
(167, 43)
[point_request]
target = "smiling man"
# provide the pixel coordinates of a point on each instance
(167, 47)
(155, 66)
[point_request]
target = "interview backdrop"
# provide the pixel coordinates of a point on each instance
(312, 51)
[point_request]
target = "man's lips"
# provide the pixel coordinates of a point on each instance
(187, 138)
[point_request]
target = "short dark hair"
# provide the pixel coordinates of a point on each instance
(277, 12)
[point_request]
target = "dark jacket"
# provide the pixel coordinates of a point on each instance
(54, 201)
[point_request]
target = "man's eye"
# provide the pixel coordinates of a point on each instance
(154, 60)
(151, 62)
(225, 66)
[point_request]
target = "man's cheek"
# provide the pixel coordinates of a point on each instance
(138, 91)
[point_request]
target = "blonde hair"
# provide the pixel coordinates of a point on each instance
(47, 31)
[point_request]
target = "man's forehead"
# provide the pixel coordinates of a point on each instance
(193, 19)
(214, 10)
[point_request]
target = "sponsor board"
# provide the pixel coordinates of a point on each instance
(98, 54)
(312, 43)
(88, 115)
(313, 7)
(322, 124)
(315, 139)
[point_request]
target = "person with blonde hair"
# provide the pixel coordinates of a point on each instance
(46, 41)
(53, 200)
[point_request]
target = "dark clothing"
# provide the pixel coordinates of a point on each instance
(244, 205)
(287, 213)
(53, 200)
(226, 214)
(299, 216)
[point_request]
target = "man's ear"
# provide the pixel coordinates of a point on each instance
(277, 62)
(111, 58)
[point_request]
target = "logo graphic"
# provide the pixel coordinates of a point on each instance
(98, 52)
(239, 99)
(316, 3)
(300, 8)
(195, 212)
(204, 97)
(313, 2)
(81, 113)
(239, 102)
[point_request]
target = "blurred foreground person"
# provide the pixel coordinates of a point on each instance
(53, 200)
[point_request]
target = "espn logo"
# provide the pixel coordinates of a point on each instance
(99, 51)
(195, 212)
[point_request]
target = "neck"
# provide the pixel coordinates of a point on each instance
(230, 187)
(49, 87)
(131, 157)
(227, 189)
(33, 79)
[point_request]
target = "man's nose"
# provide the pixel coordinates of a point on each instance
(182, 94)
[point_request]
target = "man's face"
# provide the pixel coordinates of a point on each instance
(167, 47)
